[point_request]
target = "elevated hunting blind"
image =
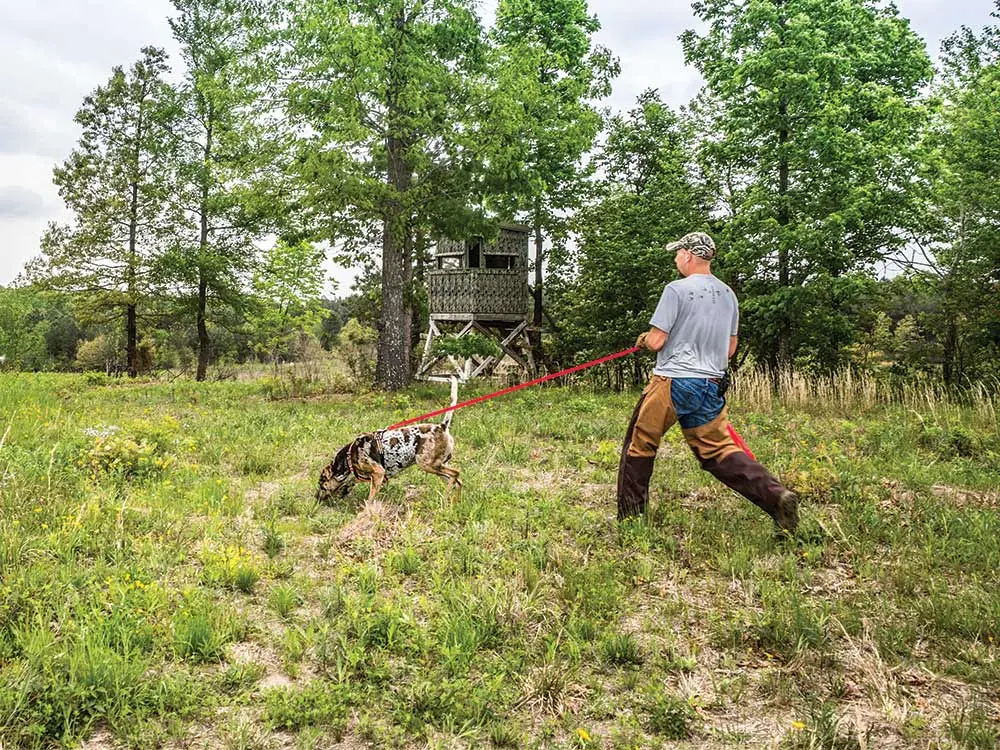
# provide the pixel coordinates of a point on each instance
(479, 286)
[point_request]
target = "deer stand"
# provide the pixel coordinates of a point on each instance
(512, 338)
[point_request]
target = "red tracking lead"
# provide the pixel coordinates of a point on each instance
(505, 391)
(624, 353)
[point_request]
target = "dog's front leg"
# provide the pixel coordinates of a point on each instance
(454, 479)
(378, 477)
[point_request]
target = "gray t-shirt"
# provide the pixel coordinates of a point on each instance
(699, 313)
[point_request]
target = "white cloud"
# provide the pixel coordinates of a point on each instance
(18, 203)
(55, 52)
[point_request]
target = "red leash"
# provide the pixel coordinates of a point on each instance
(625, 352)
(505, 391)
(738, 439)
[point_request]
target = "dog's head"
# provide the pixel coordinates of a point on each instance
(336, 479)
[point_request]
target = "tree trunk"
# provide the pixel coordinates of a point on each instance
(204, 342)
(783, 355)
(536, 317)
(392, 368)
(132, 347)
(131, 325)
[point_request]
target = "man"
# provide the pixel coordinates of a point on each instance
(694, 333)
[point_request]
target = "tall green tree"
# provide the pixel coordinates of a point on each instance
(550, 75)
(389, 95)
(646, 197)
(811, 114)
(287, 288)
(962, 258)
(116, 183)
(226, 149)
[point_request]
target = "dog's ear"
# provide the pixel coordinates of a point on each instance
(340, 461)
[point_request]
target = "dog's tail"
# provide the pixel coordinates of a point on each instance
(446, 422)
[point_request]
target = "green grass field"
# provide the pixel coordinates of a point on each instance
(168, 580)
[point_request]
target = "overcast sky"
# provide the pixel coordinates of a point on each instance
(55, 52)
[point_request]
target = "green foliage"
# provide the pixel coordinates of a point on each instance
(226, 196)
(603, 297)
(519, 613)
(809, 125)
(287, 286)
(620, 649)
(285, 599)
(114, 182)
(231, 568)
(38, 330)
(547, 72)
(140, 450)
(200, 633)
(98, 354)
(670, 716)
(274, 542)
(407, 562)
(823, 731)
(961, 227)
(357, 344)
(973, 729)
(464, 347)
(394, 137)
(318, 703)
(951, 440)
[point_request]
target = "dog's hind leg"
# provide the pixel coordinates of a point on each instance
(452, 475)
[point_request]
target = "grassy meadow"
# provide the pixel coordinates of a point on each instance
(167, 578)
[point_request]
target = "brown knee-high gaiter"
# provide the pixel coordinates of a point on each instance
(719, 455)
(740, 472)
(653, 415)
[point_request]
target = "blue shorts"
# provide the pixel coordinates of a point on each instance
(696, 401)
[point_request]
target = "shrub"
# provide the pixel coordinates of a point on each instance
(670, 716)
(357, 344)
(124, 456)
(98, 354)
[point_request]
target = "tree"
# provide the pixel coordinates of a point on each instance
(225, 153)
(22, 332)
(287, 287)
(645, 199)
(389, 95)
(115, 181)
(551, 73)
(963, 234)
(810, 117)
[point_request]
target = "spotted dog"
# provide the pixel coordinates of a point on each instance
(376, 456)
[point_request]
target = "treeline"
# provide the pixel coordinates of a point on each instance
(850, 184)
(44, 331)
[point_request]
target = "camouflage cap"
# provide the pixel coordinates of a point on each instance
(697, 243)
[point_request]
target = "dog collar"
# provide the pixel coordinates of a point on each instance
(350, 464)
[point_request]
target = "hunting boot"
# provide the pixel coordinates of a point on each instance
(744, 475)
(633, 484)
